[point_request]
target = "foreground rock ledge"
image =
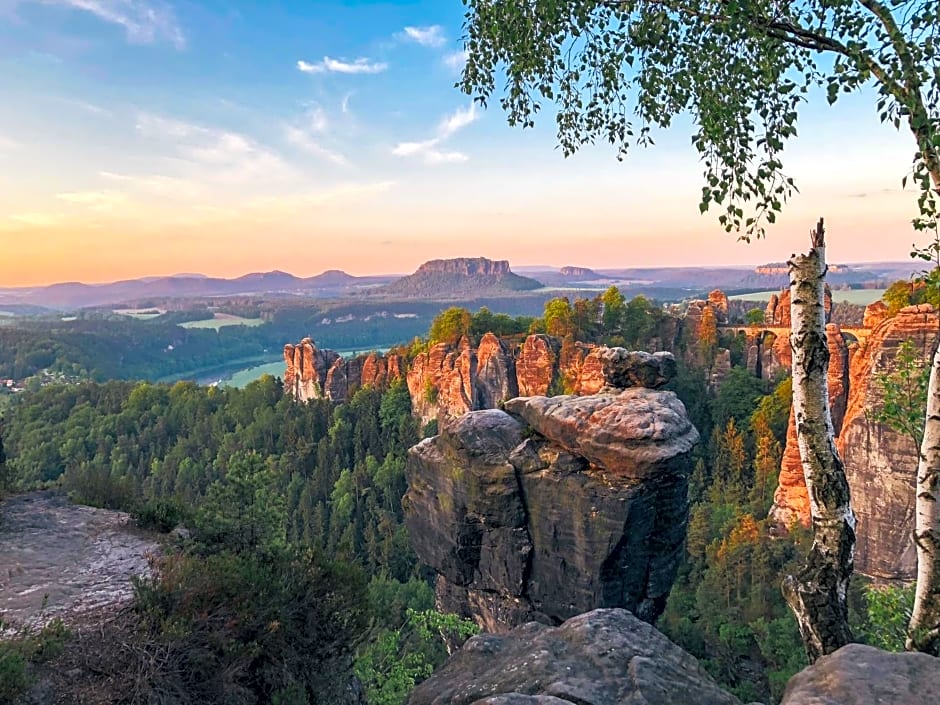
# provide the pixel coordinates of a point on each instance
(604, 657)
(863, 675)
(573, 503)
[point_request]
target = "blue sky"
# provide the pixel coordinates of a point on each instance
(143, 137)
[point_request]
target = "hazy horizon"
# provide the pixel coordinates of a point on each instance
(155, 137)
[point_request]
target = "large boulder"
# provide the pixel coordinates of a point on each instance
(571, 503)
(604, 657)
(862, 675)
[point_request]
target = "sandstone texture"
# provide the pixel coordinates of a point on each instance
(604, 657)
(862, 675)
(313, 373)
(875, 313)
(450, 380)
(559, 506)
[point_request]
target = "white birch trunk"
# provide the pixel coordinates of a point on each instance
(924, 629)
(818, 593)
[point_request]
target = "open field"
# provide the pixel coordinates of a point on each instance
(141, 314)
(220, 320)
(861, 297)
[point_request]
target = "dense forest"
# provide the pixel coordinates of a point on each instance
(294, 517)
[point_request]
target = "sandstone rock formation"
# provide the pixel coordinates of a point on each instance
(307, 367)
(862, 675)
(875, 313)
(604, 657)
(879, 463)
(555, 508)
(313, 373)
(538, 364)
(719, 301)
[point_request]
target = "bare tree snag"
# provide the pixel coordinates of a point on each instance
(817, 593)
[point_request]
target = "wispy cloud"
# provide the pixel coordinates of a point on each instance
(429, 150)
(431, 36)
(143, 21)
(328, 65)
(305, 141)
(218, 155)
(458, 120)
(95, 200)
(455, 61)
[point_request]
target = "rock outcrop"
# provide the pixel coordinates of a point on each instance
(879, 463)
(307, 368)
(719, 302)
(313, 373)
(875, 313)
(448, 381)
(862, 675)
(604, 657)
(559, 506)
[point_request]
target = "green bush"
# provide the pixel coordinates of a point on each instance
(161, 515)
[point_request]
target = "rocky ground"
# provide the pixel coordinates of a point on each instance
(62, 560)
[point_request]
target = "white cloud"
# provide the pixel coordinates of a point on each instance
(317, 120)
(432, 36)
(428, 150)
(306, 142)
(344, 106)
(458, 120)
(215, 155)
(360, 65)
(95, 200)
(143, 21)
(455, 61)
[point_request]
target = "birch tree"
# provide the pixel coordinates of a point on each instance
(616, 70)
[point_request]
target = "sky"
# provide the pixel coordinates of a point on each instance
(153, 137)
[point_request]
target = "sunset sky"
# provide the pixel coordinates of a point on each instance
(143, 137)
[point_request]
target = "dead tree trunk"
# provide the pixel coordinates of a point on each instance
(817, 593)
(924, 629)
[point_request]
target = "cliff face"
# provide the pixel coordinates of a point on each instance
(448, 381)
(313, 373)
(560, 505)
(879, 463)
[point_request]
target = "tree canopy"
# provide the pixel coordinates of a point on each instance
(741, 69)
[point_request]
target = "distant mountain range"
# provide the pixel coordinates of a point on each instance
(73, 295)
(453, 279)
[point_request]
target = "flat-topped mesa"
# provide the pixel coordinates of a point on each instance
(578, 273)
(559, 506)
(466, 266)
(313, 373)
